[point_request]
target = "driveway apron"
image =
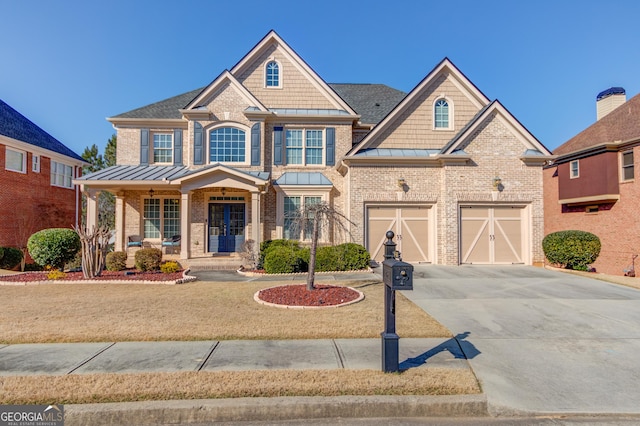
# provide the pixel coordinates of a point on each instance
(540, 341)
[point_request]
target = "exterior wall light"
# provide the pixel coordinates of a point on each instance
(151, 192)
(497, 183)
(401, 183)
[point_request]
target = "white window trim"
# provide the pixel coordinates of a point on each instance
(296, 191)
(304, 147)
(73, 173)
(264, 74)
(161, 198)
(577, 175)
(24, 160)
(247, 143)
(35, 163)
(153, 149)
(622, 166)
(451, 115)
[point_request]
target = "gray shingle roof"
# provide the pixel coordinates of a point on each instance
(166, 109)
(372, 101)
(16, 126)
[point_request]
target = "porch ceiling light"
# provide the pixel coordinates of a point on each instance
(151, 192)
(223, 191)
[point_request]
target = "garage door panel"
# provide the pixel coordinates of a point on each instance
(491, 234)
(409, 223)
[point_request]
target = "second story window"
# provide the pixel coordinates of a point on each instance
(227, 145)
(575, 169)
(15, 160)
(61, 174)
(304, 147)
(272, 74)
(163, 148)
(627, 166)
(441, 114)
(35, 163)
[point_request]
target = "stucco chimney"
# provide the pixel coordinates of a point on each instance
(608, 100)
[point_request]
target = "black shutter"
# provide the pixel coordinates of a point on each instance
(331, 146)
(278, 146)
(144, 147)
(255, 144)
(198, 146)
(177, 147)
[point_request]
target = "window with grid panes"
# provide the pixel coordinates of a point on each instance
(163, 148)
(272, 77)
(304, 147)
(227, 145)
(171, 216)
(441, 114)
(61, 174)
(291, 206)
(627, 166)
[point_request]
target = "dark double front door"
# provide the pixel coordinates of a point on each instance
(226, 227)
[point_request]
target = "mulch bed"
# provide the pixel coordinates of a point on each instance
(298, 295)
(132, 275)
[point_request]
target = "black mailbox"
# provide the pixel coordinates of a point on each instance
(397, 275)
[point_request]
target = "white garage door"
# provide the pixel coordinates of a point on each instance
(411, 224)
(491, 234)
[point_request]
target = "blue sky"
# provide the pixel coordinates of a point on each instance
(67, 65)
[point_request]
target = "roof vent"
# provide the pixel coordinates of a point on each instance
(608, 100)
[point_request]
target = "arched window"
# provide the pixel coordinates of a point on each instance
(441, 114)
(272, 76)
(227, 145)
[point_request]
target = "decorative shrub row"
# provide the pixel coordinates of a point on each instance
(10, 257)
(286, 256)
(571, 249)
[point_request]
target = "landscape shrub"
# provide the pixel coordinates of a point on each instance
(327, 259)
(571, 249)
(148, 259)
(354, 256)
(116, 261)
(11, 257)
(170, 267)
(268, 245)
(32, 267)
(53, 247)
(1, 252)
(56, 275)
(74, 264)
(284, 260)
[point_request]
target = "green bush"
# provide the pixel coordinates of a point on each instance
(354, 256)
(32, 267)
(327, 259)
(148, 259)
(74, 264)
(571, 249)
(11, 257)
(116, 261)
(268, 245)
(284, 260)
(1, 252)
(53, 247)
(170, 267)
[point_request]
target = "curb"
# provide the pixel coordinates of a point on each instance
(275, 409)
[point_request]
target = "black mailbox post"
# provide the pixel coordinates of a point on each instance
(396, 275)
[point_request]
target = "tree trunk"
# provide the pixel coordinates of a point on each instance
(94, 250)
(311, 275)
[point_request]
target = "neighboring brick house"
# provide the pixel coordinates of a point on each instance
(456, 176)
(591, 185)
(36, 189)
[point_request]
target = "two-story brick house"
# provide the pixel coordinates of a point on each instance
(591, 185)
(455, 175)
(36, 173)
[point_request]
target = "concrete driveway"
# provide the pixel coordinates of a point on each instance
(540, 341)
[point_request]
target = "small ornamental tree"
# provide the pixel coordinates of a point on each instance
(54, 246)
(571, 249)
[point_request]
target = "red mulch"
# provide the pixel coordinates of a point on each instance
(105, 276)
(298, 295)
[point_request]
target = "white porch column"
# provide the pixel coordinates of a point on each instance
(92, 209)
(255, 219)
(119, 223)
(185, 225)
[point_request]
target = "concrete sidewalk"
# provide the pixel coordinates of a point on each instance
(235, 355)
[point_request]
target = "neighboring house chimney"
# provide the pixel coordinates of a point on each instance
(608, 100)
